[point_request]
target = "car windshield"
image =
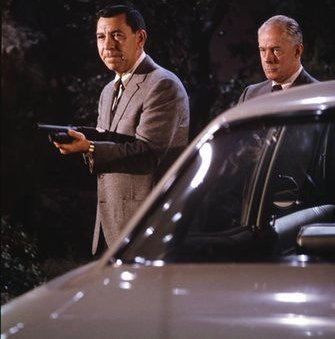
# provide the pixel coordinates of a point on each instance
(228, 201)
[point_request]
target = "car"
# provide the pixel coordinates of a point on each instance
(237, 240)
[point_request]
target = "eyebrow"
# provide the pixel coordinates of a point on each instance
(271, 47)
(110, 32)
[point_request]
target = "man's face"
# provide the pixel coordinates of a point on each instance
(119, 47)
(280, 57)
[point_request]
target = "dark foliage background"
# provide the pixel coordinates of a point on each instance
(51, 73)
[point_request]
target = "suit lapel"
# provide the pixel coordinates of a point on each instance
(267, 88)
(133, 86)
(302, 79)
(104, 119)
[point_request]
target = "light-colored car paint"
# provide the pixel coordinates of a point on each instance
(181, 301)
(226, 300)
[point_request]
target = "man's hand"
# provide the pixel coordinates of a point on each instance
(79, 145)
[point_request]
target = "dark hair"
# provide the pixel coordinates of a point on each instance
(134, 18)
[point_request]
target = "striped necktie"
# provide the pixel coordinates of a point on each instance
(118, 89)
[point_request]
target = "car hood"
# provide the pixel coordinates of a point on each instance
(179, 301)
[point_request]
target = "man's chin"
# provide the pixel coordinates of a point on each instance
(270, 75)
(112, 66)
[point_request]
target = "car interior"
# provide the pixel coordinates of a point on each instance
(296, 190)
(301, 185)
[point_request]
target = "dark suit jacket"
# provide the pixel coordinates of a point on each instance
(154, 109)
(265, 86)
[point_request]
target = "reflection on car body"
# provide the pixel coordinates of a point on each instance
(242, 196)
(236, 241)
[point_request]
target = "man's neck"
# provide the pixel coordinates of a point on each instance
(288, 82)
(132, 69)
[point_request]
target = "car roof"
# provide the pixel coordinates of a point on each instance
(306, 99)
(316, 96)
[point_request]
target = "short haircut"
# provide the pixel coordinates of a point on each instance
(289, 25)
(134, 18)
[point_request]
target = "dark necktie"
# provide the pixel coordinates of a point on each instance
(118, 88)
(276, 88)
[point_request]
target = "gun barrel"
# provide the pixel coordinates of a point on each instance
(55, 128)
(59, 134)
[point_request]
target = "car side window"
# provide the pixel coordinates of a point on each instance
(297, 190)
(297, 178)
(200, 216)
(221, 205)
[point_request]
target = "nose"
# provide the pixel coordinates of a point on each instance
(268, 55)
(109, 42)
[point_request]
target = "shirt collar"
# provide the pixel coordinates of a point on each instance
(288, 83)
(125, 77)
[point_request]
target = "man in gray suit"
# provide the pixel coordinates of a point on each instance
(145, 102)
(280, 46)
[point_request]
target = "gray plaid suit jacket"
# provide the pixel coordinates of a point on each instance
(154, 109)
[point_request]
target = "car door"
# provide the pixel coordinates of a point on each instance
(222, 203)
(200, 217)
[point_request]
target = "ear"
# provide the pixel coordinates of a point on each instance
(298, 50)
(141, 37)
